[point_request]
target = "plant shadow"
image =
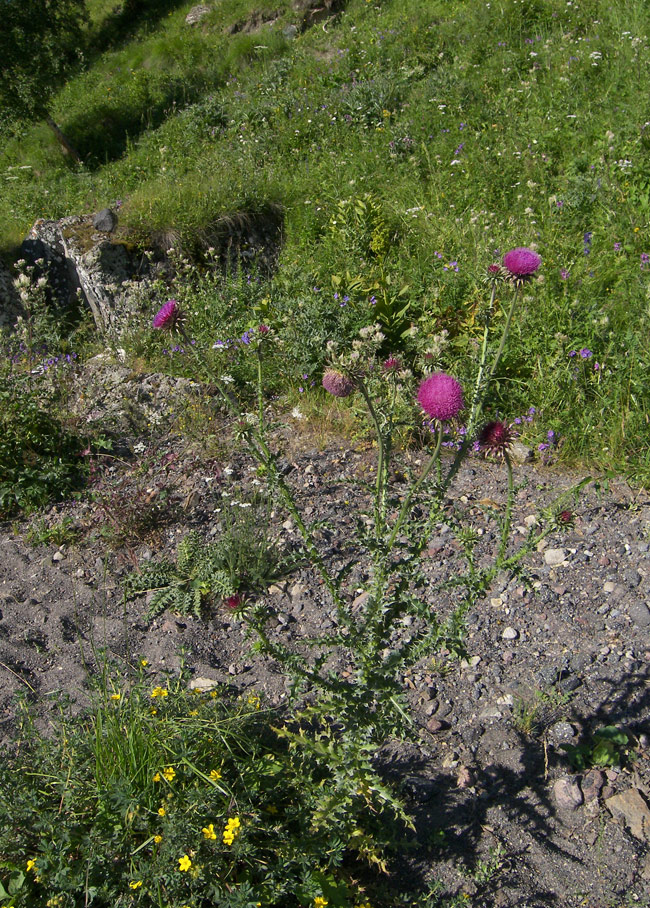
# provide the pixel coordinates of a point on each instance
(506, 821)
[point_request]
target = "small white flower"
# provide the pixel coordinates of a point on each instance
(297, 413)
(228, 379)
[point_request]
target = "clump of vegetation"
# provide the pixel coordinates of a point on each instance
(40, 460)
(166, 796)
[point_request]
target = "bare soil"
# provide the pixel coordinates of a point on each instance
(501, 814)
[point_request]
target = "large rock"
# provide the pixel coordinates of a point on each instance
(83, 261)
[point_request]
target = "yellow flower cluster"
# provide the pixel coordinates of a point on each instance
(208, 831)
(215, 775)
(160, 692)
(320, 902)
(231, 830)
(169, 773)
(135, 884)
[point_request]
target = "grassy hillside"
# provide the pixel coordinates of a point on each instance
(395, 146)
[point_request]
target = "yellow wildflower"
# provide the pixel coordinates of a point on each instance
(31, 863)
(184, 863)
(116, 696)
(157, 839)
(320, 902)
(208, 831)
(169, 773)
(213, 694)
(156, 777)
(144, 662)
(231, 831)
(135, 884)
(161, 811)
(159, 692)
(215, 775)
(193, 712)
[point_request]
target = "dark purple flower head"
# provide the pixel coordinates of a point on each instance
(392, 364)
(233, 602)
(521, 263)
(586, 353)
(168, 316)
(494, 270)
(263, 329)
(441, 396)
(337, 383)
(565, 519)
(495, 438)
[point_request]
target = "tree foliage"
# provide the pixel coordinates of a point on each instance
(39, 41)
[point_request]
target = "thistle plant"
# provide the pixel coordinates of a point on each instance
(369, 630)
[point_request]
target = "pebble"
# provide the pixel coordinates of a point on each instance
(561, 732)
(639, 613)
(609, 586)
(510, 634)
(554, 556)
(567, 794)
(58, 556)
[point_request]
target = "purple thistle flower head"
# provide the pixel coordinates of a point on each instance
(441, 396)
(495, 438)
(521, 262)
(392, 364)
(168, 316)
(337, 383)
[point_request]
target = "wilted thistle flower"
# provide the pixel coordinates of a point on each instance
(441, 396)
(337, 383)
(168, 316)
(495, 438)
(392, 364)
(233, 602)
(521, 263)
(565, 519)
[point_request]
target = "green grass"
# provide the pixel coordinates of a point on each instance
(472, 127)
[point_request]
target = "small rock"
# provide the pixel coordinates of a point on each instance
(554, 556)
(609, 586)
(58, 556)
(490, 712)
(105, 220)
(275, 590)
(290, 32)
(591, 785)
(567, 794)
(360, 600)
(562, 732)
(464, 779)
(510, 634)
(631, 806)
(196, 14)
(520, 453)
(435, 725)
(639, 613)
(203, 684)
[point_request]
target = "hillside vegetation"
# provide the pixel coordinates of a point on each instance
(393, 150)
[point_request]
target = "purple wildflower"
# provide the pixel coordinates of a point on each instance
(585, 353)
(495, 438)
(167, 316)
(441, 396)
(337, 383)
(521, 263)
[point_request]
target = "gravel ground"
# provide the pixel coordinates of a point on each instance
(552, 657)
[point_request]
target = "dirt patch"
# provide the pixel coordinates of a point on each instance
(552, 658)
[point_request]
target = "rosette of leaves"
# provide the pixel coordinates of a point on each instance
(198, 575)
